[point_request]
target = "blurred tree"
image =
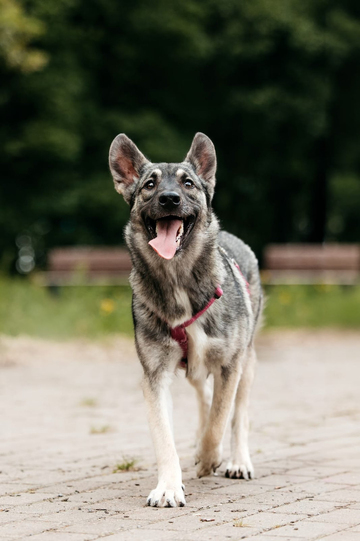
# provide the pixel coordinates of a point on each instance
(274, 83)
(17, 30)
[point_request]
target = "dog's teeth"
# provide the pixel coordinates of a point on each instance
(180, 232)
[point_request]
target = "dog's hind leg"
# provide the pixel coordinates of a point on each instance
(204, 393)
(240, 465)
(209, 453)
(169, 490)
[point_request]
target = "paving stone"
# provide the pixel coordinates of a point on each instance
(349, 478)
(242, 508)
(306, 507)
(240, 490)
(309, 530)
(343, 495)
(10, 488)
(99, 526)
(266, 536)
(20, 499)
(25, 527)
(318, 471)
(194, 521)
(346, 535)
(275, 498)
(269, 537)
(304, 443)
(70, 517)
(270, 521)
(315, 487)
(61, 536)
(350, 517)
(142, 534)
(43, 508)
(284, 479)
(224, 532)
(141, 512)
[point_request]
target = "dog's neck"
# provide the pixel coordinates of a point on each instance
(181, 287)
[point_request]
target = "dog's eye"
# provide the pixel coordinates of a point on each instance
(149, 185)
(188, 183)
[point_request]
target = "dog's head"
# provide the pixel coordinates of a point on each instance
(169, 202)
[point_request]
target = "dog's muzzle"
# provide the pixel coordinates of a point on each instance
(169, 233)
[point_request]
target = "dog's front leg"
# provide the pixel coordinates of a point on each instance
(209, 454)
(169, 490)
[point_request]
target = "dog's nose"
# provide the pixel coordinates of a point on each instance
(169, 199)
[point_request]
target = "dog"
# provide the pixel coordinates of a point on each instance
(197, 300)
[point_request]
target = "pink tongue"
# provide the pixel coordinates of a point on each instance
(165, 242)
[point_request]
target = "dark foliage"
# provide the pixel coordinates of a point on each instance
(274, 83)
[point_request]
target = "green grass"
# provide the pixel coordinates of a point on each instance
(88, 402)
(95, 312)
(313, 306)
(128, 464)
(71, 312)
(100, 429)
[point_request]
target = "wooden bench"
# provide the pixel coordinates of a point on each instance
(311, 264)
(86, 266)
(282, 264)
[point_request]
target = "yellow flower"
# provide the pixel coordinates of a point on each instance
(284, 298)
(107, 306)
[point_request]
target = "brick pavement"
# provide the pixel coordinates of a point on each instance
(71, 412)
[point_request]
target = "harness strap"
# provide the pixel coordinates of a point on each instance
(245, 280)
(232, 260)
(179, 333)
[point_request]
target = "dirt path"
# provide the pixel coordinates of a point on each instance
(72, 412)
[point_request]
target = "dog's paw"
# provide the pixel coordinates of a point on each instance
(208, 462)
(167, 496)
(240, 470)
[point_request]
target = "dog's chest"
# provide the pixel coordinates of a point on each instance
(198, 341)
(182, 300)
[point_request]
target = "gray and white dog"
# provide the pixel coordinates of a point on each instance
(196, 302)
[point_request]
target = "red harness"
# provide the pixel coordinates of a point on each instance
(179, 333)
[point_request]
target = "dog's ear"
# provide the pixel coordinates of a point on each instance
(202, 157)
(126, 162)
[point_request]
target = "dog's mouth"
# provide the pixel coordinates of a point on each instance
(168, 234)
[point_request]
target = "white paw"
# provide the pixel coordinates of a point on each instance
(208, 461)
(242, 469)
(166, 495)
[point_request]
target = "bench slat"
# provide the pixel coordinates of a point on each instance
(312, 257)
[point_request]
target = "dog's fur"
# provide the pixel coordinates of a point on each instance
(166, 293)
